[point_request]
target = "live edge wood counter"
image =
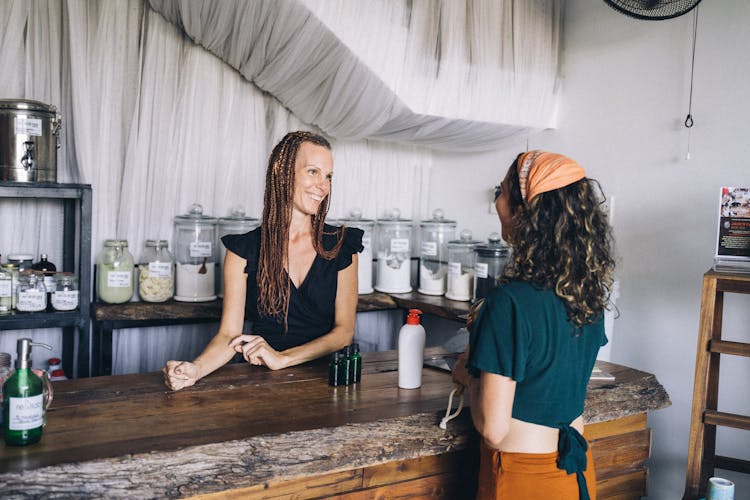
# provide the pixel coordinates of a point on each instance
(249, 432)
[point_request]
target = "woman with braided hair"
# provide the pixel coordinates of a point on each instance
(534, 340)
(294, 277)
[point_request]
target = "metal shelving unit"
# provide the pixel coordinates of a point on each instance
(76, 242)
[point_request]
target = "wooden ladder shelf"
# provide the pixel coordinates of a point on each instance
(705, 417)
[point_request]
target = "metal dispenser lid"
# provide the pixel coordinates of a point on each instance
(494, 247)
(26, 105)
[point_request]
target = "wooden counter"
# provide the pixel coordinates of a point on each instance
(262, 434)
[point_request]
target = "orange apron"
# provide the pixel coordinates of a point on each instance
(529, 476)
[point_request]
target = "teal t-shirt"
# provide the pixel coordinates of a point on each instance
(523, 332)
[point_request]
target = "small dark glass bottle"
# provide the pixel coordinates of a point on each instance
(345, 366)
(334, 374)
(355, 364)
(49, 270)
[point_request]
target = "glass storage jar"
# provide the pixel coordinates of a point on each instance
(236, 223)
(6, 290)
(433, 254)
(364, 260)
(195, 252)
(115, 269)
(31, 294)
(156, 272)
(461, 267)
(394, 254)
(65, 294)
(21, 262)
(490, 260)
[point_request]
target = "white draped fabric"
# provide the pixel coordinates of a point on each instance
(154, 122)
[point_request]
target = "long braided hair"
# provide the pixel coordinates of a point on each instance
(562, 240)
(273, 280)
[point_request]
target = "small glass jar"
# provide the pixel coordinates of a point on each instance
(31, 294)
(65, 295)
(156, 272)
(461, 267)
(20, 263)
(6, 290)
(115, 269)
(490, 260)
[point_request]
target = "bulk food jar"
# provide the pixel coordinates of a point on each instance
(156, 272)
(394, 254)
(461, 267)
(195, 255)
(433, 253)
(364, 260)
(490, 260)
(114, 272)
(236, 223)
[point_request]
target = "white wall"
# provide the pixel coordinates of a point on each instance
(625, 96)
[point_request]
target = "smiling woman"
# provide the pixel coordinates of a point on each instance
(294, 277)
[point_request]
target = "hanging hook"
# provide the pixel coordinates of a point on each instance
(689, 121)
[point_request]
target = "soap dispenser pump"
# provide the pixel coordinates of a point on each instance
(411, 339)
(23, 399)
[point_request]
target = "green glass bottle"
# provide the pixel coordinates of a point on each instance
(23, 400)
(355, 364)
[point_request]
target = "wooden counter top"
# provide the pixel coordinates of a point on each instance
(246, 427)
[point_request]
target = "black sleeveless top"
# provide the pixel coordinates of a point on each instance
(312, 306)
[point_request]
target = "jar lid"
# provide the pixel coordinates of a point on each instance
(26, 104)
(20, 257)
(236, 214)
(464, 240)
(157, 243)
(393, 217)
(195, 214)
(494, 247)
(116, 243)
(355, 218)
(438, 219)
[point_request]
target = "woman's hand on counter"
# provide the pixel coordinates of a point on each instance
(180, 374)
(257, 351)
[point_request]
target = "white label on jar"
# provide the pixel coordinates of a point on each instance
(65, 300)
(6, 288)
(366, 240)
(25, 413)
(49, 283)
(399, 245)
(27, 126)
(200, 249)
(454, 268)
(118, 279)
(160, 269)
(31, 300)
(429, 248)
(480, 269)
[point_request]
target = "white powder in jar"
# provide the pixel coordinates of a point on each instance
(394, 272)
(431, 282)
(364, 271)
(194, 286)
(460, 286)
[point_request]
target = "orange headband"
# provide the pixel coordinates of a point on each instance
(539, 172)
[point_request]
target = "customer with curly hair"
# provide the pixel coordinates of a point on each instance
(535, 338)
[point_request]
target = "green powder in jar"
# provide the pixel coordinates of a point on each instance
(114, 284)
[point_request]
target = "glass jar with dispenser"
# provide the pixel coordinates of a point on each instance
(490, 260)
(115, 269)
(31, 294)
(394, 254)
(156, 272)
(460, 279)
(195, 252)
(364, 260)
(433, 255)
(65, 294)
(236, 223)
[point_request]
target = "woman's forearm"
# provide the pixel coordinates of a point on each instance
(216, 354)
(336, 339)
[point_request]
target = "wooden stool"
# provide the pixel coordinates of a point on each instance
(702, 458)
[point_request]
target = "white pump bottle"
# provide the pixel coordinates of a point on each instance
(411, 340)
